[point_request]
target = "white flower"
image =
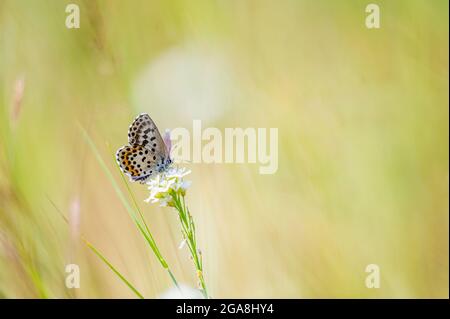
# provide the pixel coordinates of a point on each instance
(182, 292)
(182, 244)
(167, 184)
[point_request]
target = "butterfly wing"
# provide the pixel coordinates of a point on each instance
(143, 131)
(147, 153)
(137, 162)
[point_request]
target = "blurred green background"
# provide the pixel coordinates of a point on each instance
(363, 145)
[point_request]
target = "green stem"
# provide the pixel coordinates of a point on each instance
(138, 220)
(149, 234)
(114, 269)
(188, 230)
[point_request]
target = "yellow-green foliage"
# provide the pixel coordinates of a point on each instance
(363, 145)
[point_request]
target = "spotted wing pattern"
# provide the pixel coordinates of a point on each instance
(147, 153)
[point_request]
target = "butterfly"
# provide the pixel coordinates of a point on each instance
(147, 153)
